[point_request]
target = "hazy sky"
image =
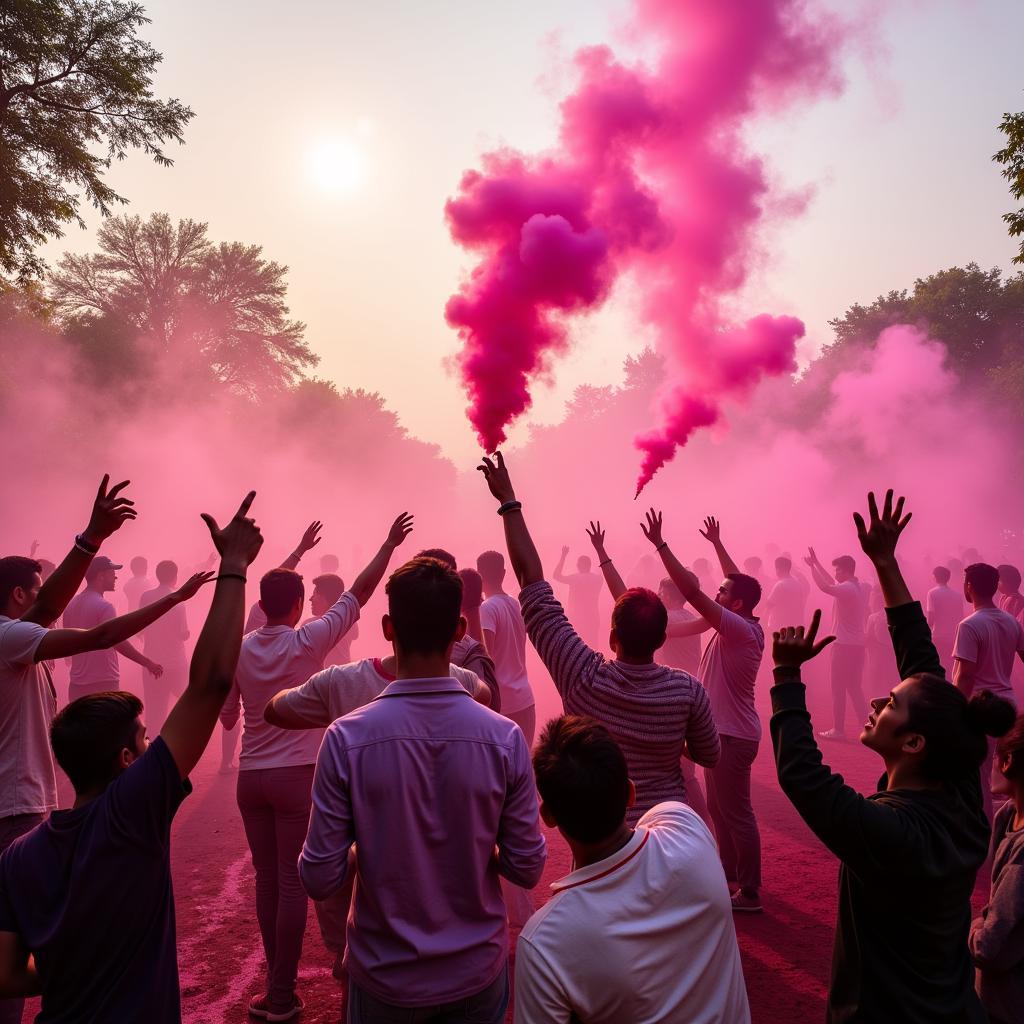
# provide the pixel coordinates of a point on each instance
(332, 133)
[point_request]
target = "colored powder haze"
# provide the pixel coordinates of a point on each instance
(652, 178)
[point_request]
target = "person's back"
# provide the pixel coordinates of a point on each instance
(787, 601)
(990, 639)
(502, 619)
(93, 668)
(945, 609)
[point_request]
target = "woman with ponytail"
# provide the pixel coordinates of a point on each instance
(909, 852)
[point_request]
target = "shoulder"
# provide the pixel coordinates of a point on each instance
(536, 593)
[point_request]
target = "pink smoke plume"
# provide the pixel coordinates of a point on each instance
(651, 177)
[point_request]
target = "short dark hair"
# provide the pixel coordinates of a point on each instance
(1013, 743)
(582, 777)
(280, 591)
(88, 735)
(330, 585)
(16, 571)
(983, 578)
(941, 574)
(491, 565)
(783, 563)
(1010, 575)
(139, 565)
(845, 562)
(441, 555)
(424, 603)
(746, 589)
(639, 619)
(472, 589)
(166, 571)
(954, 728)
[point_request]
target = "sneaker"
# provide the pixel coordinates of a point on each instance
(832, 734)
(259, 1006)
(743, 904)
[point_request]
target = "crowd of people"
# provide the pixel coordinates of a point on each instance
(405, 795)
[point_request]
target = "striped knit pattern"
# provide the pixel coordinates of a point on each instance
(651, 710)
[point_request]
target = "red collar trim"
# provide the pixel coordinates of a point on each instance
(378, 667)
(607, 871)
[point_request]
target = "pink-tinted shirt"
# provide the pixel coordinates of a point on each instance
(426, 783)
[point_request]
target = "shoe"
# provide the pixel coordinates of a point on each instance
(259, 1006)
(832, 734)
(742, 904)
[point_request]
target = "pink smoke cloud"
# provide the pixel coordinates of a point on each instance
(651, 178)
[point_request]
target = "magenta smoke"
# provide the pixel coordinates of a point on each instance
(651, 178)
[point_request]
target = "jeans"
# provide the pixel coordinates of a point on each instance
(847, 674)
(275, 805)
(12, 828)
(486, 1007)
(739, 840)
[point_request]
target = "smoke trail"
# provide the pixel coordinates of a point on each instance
(651, 177)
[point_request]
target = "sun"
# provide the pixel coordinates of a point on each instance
(338, 166)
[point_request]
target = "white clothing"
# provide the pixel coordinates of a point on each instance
(134, 589)
(501, 616)
(337, 690)
(787, 603)
(990, 639)
(728, 670)
(643, 936)
(28, 704)
(945, 608)
(86, 611)
(275, 658)
(850, 612)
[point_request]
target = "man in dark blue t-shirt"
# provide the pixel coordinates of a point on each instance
(86, 907)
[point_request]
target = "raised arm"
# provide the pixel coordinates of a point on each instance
(712, 532)
(109, 511)
(559, 574)
(369, 579)
(611, 575)
(687, 582)
(822, 579)
(192, 719)
(309, 540)
(522, 552)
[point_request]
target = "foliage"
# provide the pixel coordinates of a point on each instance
(1011, 157)
(75, 94)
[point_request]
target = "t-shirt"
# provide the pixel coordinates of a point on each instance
(584, 957)
(341, 652)
(134, 589)
(990, 638)
(728, 669)
(787, 603)
(850, 612)
(28, 703)
(276, 658)
(86, 611)
(945, 608)
(1012, 604)
(500, 616)
(89, 894)
(342, 688)
(164, 640)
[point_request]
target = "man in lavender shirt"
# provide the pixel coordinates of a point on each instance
(437, 794)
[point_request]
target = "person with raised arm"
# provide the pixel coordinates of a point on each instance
(584, 589)
(910, 852)
(275, 770)
(728, 670)
(849, 621)
(86, 904)
(655, 713)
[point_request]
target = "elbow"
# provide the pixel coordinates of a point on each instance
(524, 871)
(710, 757)
(319, 880)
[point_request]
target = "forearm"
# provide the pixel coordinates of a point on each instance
(369, 579)
(894, 587)
(616, 585)
(56, 593)
(725, 559)
(963, 677)
(689, 587)
(115, 631)
(522, 552)
(912, 640)
(128, 651)
(473, 627)
(216, 653)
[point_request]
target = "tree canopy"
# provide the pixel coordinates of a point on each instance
(1011, 156)
(75, 94)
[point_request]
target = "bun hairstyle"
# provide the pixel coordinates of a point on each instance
(955, 728)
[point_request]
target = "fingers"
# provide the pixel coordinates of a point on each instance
(246, 503)
(897, 512)
(210, 522)
(114, 491)
(858, 521)
(821, 645)
(903, 522)
(887, 507)
(486, 467)
(872, 507)
(812, 632)
(102, 491)
(501, 459)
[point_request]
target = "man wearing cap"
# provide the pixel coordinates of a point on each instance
(97, 671)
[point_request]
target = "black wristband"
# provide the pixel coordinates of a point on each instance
(601, 565)
(509, 506)
(84, 545)
(663, 544)
(232, 576)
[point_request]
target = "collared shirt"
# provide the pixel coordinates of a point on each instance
(583, 956)
(276, 658)
(425, 782)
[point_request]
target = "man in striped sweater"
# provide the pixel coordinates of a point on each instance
(655, 713)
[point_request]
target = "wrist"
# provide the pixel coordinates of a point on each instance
(90, 539)
(234, 566)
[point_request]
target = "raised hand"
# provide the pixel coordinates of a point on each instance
(712, 531)
(109, 511)
(652, 528)
(497, 478)
(191, 586)
(565, 551)
(239, 542)
(310, 538)
(400, 529)
(596, 535)
(792, 646)
(32, 550)
(812, 558)
(880, 536)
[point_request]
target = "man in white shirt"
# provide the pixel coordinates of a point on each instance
(984, 649)
(504, 635)
(787, 600)
(164, 643)
(584, 589)
(641, 930)
(97, 671)
(849, 652)
(139, 583)
(944, 608)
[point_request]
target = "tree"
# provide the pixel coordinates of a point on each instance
(75, 94)
(217, 310)
(1011, 156)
